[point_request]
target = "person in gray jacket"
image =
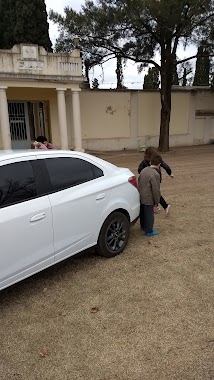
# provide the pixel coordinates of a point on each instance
(146, 162)
(149, 188)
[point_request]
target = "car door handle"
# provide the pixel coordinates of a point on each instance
(38, 217)
(100, 196)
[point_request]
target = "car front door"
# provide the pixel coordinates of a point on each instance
(26, 232)
(79, 193)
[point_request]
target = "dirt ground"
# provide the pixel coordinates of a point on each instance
(153, 306)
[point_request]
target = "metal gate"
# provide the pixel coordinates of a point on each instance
(19, 125)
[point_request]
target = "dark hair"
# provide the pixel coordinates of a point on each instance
(156, 159)
(41, 139)
(149, 152)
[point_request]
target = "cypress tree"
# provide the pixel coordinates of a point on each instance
(184, 80)
(95, 83)
(202, 70)
(7, 23)
(24, 21)
(151, 80)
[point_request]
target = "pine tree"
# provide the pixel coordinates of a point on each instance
(119, 72)
(24, 21)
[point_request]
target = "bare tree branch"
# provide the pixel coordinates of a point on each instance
(194, 56)
(114, 48)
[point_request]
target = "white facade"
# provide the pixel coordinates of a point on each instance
(44, 77)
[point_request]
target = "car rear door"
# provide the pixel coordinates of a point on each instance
(79, 193)
(26, 232)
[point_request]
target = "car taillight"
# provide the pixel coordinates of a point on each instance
(133, 181)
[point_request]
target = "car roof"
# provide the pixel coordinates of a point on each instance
(10, 154)
(5, 154)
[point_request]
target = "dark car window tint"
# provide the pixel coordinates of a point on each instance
(97, 172)
(66, 172)
(17, 183)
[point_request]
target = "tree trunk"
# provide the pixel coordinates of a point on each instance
(166, 88)
(119, 73)
(87, 68)
(165, 119)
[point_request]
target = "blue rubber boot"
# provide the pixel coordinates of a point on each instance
(153, 233)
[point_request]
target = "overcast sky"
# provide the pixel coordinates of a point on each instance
(106, 77)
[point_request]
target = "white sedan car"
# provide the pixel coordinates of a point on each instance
(54, 204)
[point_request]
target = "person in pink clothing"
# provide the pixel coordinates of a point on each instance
(42, 143)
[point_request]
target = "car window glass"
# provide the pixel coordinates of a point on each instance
(66, 172)
(97, 172)
(17, 183)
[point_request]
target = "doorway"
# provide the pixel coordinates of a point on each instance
(27, 120)
(19, 125)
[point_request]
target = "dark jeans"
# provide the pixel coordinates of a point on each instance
(146, 218)
(163, 203)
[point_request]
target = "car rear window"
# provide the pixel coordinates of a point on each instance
(67, 172)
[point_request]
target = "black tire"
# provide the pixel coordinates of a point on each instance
(114, 235)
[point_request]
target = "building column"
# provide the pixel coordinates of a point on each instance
(77, 121)
(4, 119)
(69, 109)
(62, 118)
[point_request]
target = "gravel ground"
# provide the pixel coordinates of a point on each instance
(147, 314)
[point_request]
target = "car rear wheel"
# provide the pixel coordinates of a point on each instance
(113, 235)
